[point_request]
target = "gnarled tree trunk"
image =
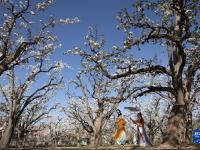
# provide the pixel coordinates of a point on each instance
(175, 131)
(189, 128)
(7, 135)
(179, 127)
(96, 136)
(175, 127)
(95, 139)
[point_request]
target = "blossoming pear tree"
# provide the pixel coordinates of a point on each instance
(27, 73)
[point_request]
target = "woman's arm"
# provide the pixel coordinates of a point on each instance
(139, 124)
(133, 120)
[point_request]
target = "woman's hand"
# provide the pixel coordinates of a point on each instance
(139, 124)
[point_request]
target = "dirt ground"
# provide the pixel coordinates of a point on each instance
(136, 148)
(127, 147)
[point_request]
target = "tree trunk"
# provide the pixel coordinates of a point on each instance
(175, 127)
(78, 137)
(21, 140)
(189, 128)
(95, 139)
(7, 135)
(151, 136)
(175, 130)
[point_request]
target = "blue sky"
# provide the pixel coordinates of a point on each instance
(91, 12)
(96, 13)
(100, 13)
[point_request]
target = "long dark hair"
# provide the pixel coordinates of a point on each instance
(141, 120)
(140, 115)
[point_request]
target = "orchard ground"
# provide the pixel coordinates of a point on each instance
(127, 147)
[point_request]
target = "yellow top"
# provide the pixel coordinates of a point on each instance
(121, 127)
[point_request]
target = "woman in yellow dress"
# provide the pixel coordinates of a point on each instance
(120, 135)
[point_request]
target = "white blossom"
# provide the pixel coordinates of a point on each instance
(86, 37)
(31, 22)
(59, 45)
(168, 12)
(20, 39)
(23, 24)
(43, 5)
(114, 47)
(32, 12)
(5, 15)
(60, 65)
(69, 21)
